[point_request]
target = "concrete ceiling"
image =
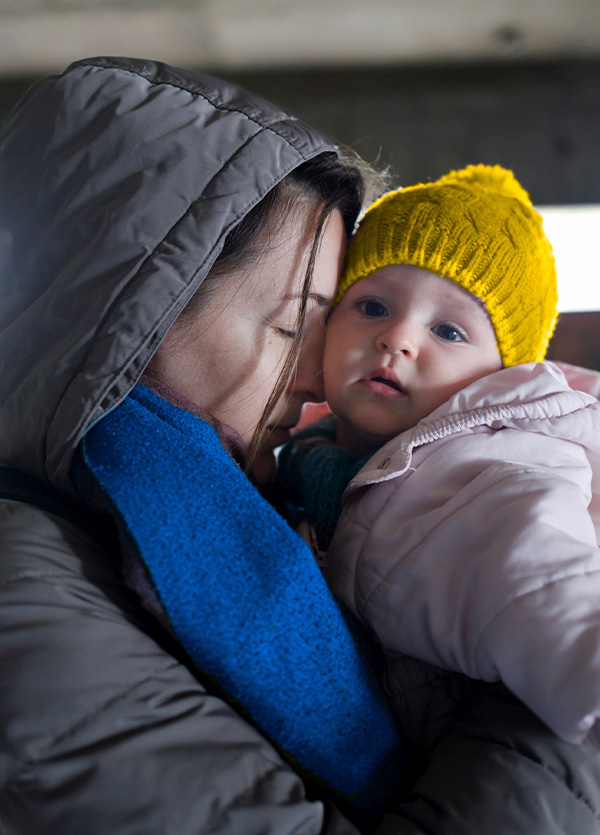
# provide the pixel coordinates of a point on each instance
(40, 36)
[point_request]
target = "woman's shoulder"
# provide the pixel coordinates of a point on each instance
(98, 699)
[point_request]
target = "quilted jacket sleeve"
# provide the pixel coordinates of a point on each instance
(496, 576)
(102, 729)
(492, 768)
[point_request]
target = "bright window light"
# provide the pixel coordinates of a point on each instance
(574, 232)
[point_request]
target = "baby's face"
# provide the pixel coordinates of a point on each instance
(398, 345)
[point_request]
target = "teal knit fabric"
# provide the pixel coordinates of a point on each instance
(314, 472)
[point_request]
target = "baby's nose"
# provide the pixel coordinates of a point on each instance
(398, 337)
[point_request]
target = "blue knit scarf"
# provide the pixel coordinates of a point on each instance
(244, 596)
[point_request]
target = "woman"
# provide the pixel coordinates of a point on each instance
(125, 186)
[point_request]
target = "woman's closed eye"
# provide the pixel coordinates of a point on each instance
(449, 333)
(288, 333)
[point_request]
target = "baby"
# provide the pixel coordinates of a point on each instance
(469, 540)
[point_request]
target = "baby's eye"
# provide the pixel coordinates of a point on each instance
(449, 333)
(371, 307)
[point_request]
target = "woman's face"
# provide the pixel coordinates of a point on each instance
(228, 358)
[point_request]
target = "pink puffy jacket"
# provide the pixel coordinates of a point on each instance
(471, 540)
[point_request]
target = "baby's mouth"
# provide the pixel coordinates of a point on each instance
(391, 383)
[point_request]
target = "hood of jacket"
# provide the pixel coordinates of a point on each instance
(119, 180)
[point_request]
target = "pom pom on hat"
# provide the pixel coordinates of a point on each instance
(478, 228)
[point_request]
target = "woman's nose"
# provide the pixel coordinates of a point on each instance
(308, 380)
(398, 337)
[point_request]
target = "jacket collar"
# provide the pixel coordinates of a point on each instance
(534, 397)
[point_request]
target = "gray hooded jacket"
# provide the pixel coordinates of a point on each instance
(103, 728)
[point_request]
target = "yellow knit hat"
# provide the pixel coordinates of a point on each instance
(478, 228)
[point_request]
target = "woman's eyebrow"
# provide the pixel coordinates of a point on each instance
(322, 301)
